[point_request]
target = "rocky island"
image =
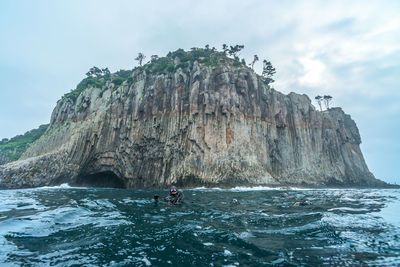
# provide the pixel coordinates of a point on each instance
(192, 118)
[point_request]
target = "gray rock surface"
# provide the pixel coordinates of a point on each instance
(3, 159)
(212, 126)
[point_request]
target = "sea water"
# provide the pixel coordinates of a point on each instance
(118, 227)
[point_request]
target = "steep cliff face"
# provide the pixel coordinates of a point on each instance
(199, 125)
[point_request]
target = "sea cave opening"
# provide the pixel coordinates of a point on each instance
(100, 179)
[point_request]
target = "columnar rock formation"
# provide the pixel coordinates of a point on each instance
(202, 125)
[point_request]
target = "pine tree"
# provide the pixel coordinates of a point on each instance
(225, 48)
(327, 99)
(254, 61)
(140, 58)
(268, 72)
(319, 100)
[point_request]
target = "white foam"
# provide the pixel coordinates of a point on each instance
(244, 235)
(348, 209)
(262, 188)
(235, 189)
(61, 186)
(255, 188)
(6, 246)
(55, 187)
(146, 261)
(227, 253)
(204, 188)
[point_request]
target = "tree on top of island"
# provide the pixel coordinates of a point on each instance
(326, 99)
(208, 57)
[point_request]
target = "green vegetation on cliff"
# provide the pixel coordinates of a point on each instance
(179, 59)
(184, 59)
(12, 149)
(98, 78)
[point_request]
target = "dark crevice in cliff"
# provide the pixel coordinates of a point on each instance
(101, 179)
(191, 181)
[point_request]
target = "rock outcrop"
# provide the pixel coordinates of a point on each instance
(4, 159)
(201, 125)
(13, 148)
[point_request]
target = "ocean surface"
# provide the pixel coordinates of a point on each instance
(64, 226)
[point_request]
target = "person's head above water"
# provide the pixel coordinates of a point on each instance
(173, 190)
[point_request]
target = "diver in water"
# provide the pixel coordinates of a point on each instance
(235, 202)
(302, 203)
(175, 196)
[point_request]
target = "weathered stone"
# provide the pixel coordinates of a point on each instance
(204, 126)
(3, 159)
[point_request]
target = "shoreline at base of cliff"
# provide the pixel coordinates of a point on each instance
(222, 188)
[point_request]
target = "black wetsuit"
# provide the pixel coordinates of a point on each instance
(175, 199)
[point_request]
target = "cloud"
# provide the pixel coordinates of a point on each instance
(315, 73)
(390, 27)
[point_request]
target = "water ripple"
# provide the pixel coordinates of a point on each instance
(114, 227)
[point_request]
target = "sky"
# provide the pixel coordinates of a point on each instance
(347, 49)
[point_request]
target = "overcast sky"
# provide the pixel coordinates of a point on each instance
(347, 49)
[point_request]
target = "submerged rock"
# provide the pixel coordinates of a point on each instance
(198, 125)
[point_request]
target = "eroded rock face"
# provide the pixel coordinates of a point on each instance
(3, 159)
(203, 126)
